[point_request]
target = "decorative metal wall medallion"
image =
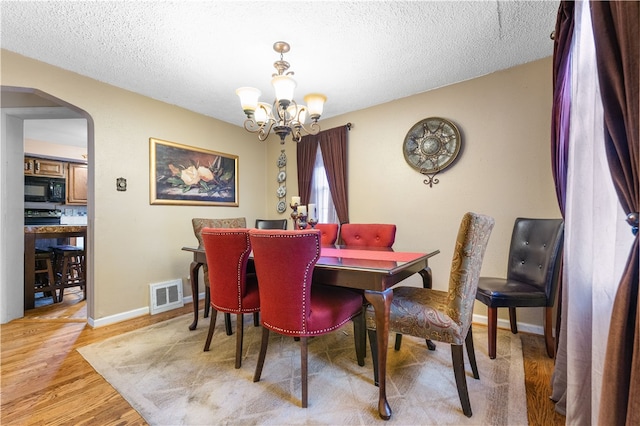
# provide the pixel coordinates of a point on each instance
(431, 146)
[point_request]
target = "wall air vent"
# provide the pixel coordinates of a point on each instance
(165, 296)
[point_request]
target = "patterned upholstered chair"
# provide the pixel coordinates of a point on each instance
(328, 233)
(284, 263)
(199, 224)
(533, 272)
(233, 291)
(368, 234)
(444, 316)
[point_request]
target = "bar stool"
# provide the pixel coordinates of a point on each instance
(70, 268)
(45, 278)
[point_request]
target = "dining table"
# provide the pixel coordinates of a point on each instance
(374, 270)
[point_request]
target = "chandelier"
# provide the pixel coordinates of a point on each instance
(285, 116)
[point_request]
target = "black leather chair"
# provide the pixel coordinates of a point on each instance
(271, 223)
(532, 278)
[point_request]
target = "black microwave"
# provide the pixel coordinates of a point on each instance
(44, 189)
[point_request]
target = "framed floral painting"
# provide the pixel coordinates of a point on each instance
(185, 175)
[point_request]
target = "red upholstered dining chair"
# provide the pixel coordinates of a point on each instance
(371, 235)
(290, 305)
(328, 233)
(199, 224)
(233, 291)
(368, 234)
(444, 316)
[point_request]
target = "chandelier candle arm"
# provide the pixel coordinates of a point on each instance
(285, 116)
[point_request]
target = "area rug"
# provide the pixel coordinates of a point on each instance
(162, 371)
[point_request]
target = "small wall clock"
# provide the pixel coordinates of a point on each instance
(431, 146)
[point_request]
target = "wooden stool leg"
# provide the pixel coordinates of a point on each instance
(45, 274)
(52, 280)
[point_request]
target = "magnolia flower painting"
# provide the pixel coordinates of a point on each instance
(187, 175)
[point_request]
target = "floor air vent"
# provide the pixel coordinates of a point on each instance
(166, 296)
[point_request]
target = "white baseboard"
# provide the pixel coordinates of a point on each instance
(189, 299)
(502, 323)
(123, 316)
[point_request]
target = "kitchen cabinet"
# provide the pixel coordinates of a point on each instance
(44, 167)
(77, 184)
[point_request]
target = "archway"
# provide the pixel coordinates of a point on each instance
(19, 104)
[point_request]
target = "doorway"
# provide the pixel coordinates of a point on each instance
(17, 105)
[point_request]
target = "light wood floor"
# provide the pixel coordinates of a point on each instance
(46, 381)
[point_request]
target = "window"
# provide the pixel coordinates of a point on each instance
(321, 194)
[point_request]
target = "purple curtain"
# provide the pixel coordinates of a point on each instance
(306, 154)
(561, 108)
(616, 29)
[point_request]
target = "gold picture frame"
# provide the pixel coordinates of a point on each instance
(186, 175)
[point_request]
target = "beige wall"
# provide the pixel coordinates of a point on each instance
(504, 169)
(135, 243)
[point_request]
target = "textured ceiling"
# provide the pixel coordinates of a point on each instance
(194, 54)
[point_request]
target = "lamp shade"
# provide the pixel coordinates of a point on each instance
(284, 86)
(248, 99)
(297, 113)
(315, 104)
(263, 112)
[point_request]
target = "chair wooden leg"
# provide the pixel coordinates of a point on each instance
(430, 345)
(207, 300)
(398, 342)
(513, 320)
(492, 328)
(262, 355)
(212, 326)
(304, 369)
(471, 353)
(548, 337)
(373, 343)
(227, 324)
(239, 333)
(461, 381)
(360, 337)
(256, 319)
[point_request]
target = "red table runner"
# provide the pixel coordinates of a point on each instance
(369, 254)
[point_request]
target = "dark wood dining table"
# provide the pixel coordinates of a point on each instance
(371, 269)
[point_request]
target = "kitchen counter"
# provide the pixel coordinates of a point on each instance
(33, 232)
(39, 229)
